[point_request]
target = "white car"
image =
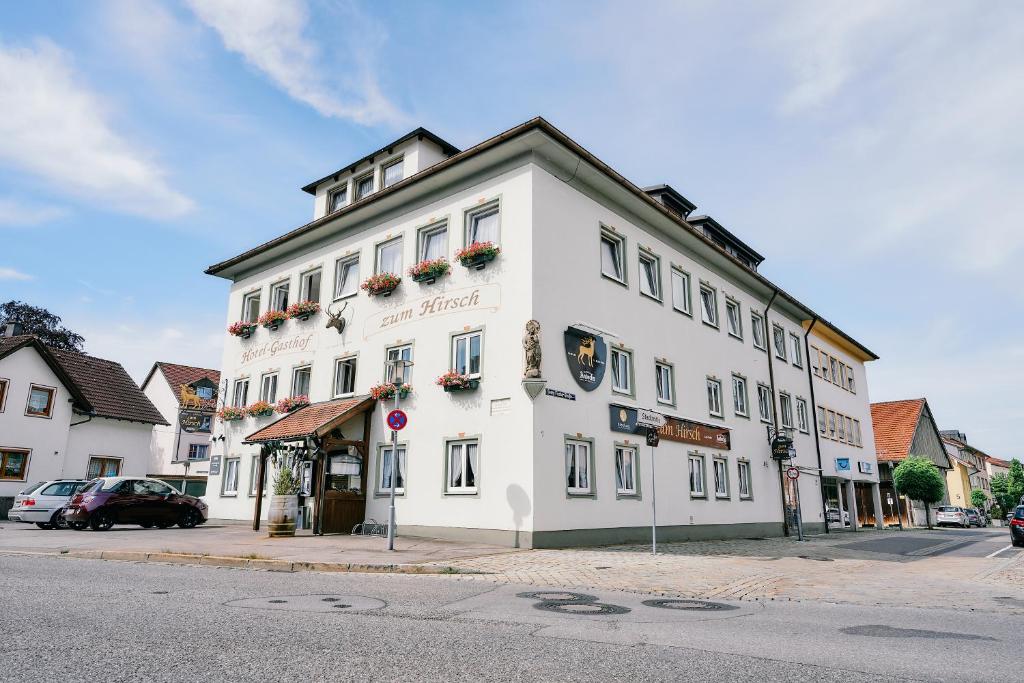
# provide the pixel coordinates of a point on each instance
(41, 504)
(832, 515)
(951, 515)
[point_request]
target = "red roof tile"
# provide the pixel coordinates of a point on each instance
(895, 423)
(178, 375)
(314, 419)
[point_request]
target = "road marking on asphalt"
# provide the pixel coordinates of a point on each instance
(1001, 550)
(932, 549)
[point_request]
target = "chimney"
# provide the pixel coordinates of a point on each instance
(12, 328)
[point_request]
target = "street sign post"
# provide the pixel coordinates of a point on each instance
(652, 440)
(649, 418)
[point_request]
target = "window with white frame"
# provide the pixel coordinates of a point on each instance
(300, 381)
(834, 364)
(467, 351)
(815, 353)
(254, 476)
(363, 185)
(433, 242)
(856, 433)
(394, 353)
(764, 402)
(696, 475)
(251, 307)
(681, 295)
(721, 478)
(650, 275)
(739, 396)
(346, 276)
(757, 331)
(732, 318)
(198, 451)
(613, 249)
(577, 467)
(779, 340)
(714, 397)
(387, 462)
(391, 173)
(665, 382)
(337, 198)
(230, 479)
(797, 355)
(709, 305)
(625, 470)
(840, 427)
(345, 376)
(482, 224)
(389, 257)
(822, 426)
(279, 296)
(743, 479)
(268, 387)
(852, 383)
(240, 398)
(309, 285)
(802, 421)
(831, 424)
(786, 410)
(622, 371)
(463, 460)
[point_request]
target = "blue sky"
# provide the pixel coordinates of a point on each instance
(872, 151)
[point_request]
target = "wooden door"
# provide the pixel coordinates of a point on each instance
(342, 511)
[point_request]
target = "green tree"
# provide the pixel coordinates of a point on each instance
(919, 479)
(43, 324)
(978, 499)
(1015, 483)
(1001, 491)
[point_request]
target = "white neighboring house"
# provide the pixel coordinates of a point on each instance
(65, 414)
(184, 395)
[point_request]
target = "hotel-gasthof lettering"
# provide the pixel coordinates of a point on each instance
(559, 303)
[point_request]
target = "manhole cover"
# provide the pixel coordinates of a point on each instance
(581, 608)
(160, 592)
(341, 605)
(557, 596)
(276, 602)
(309, 603)
(696, 605)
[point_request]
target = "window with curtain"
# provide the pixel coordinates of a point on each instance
(389, 257)
(345, 376)
(625, 470)
(466, 353)
(757, 331)
(434, 242)
(664, 383)
(268, 388)
(721, 479)
(739, 396)
(346, 276)
(230, 477)
(14, 465)
(779, 337)
(387, 462)
(251, 307)
(764, 402)
(462, 466)
(732, 318)
(240, 399)
(309, 286)
(714, 397)
(482, 224)
(709, 305)
(801, 416)
(743, 480)
(103, 467)
(786, 410)
(40, 401)
(279, 296)
(300, 381)
(696, 463)
(391, 173)
(650, 276)
(364, 186)
(621, 371)
(394, 353)
(681, 291)
(797, 355)
(338, 198)
(577, 467)
(611, 256)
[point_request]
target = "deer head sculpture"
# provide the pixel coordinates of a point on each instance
(335, 320)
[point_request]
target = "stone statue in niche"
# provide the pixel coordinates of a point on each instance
(531, 346)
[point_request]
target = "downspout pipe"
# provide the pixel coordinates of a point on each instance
(769, 340)
(814, 421)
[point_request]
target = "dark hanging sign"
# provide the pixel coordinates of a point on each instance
(624, 419)
(782, 448)
(586, 354)
(652, 437)
(194, 421)
(215, 465)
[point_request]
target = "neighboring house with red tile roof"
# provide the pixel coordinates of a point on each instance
(187, 396)
(67, 415)
(996, 466)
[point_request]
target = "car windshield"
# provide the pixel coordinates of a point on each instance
(947, 508)
(62, 488)
(1019, 512)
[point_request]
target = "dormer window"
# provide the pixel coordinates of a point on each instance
(338, 198)
(364, 186)
(390, 173)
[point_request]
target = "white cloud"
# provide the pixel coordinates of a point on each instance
(272, 36)
(56, 128)
(12, 274)
(15, 213)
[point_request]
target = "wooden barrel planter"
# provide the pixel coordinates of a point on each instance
(284, 510)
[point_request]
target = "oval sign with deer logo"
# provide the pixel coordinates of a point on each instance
(587, 355)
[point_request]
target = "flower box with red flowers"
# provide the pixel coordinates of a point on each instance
(230, 414)
(386, 392)
(242, 329)
(478, 254)
(381, 284)
(303, 310)
(291, 403)
(430, 270)
(273, 319)
(454, 381)
(260, 409)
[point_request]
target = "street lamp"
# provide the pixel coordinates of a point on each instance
(399, 366)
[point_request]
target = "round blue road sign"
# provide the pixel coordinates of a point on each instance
(397, 419)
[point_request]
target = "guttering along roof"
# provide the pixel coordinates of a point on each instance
(232, 266)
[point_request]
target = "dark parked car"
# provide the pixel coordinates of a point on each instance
(125, 500)
(975, 518)
(1017, 526)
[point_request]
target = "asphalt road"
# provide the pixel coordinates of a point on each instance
(67, 619)
(952, 542)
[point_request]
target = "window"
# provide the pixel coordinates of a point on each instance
(300, 381)
(834, 364)
(625, 470)
(622, 371)
(714, 397)
(433, 242)
(13, 465)
(198, 451)
(840, 427)
(3, 393)
(251, 307)
(764, 402)
(398, 353)
(345, 376)
(732, 318)
(612, 262)
(391, 173)
(822, 426)
(757, 330)
(462, 466)
(739, 396)
(681, 292)
(482, 224)
(743, 478)
(230, 481)
(389, 257)
(103, 467)
(696, 476)
(814, 360)
(831, 424)
(802, 422)
(849, 431)
(779, 339)
(254, 470)
(279, 296)
(40, 401)
(240, 399)
(665, 383)
(309, 286)
(268, 388)
(346, 276)
(852, 385)
(856, 433)
(337, 198)
(721, 478)
(204, 392)
(466, 353)
(786, 410)
(386, 464)
(709, 305)
(650, 275)
(798, 354)
(577, 467)
(364, 185)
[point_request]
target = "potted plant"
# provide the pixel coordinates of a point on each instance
(478, 254)
(284, 504)
(386, 391)
(260, 409)
(455, 381)
(428, 271)
(381, 284)
(273, 319)
(303, 310)
(242, 329)
(230, 413)
(289, 404)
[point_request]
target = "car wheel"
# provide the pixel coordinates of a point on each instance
(147, 525)
(58, 521)
(101, 521)
(44, 525)
(189, 519)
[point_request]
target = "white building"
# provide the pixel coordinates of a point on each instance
(638, 308)
(65, 414)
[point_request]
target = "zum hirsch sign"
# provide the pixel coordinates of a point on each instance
(624, 419)
(482, 297)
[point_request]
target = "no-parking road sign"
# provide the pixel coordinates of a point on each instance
(397, 419)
